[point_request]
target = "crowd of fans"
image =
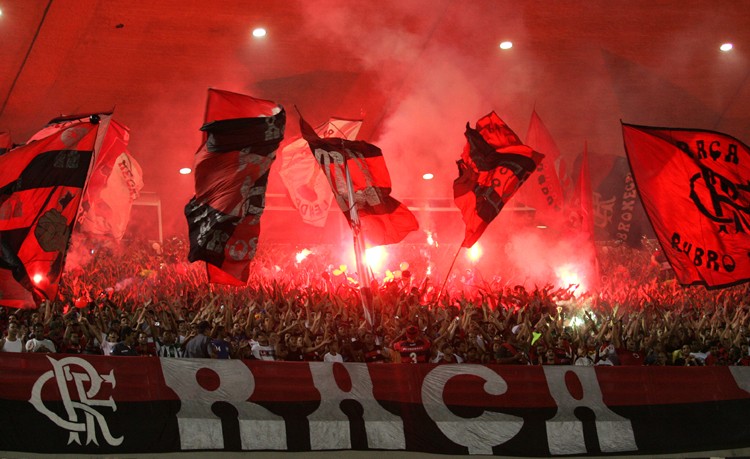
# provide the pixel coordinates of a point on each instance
(150, 302)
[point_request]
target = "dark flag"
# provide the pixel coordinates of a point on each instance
(618, 212)
(5, 142)
(383, 219)
(231, 174)
(494, 164)
(695, 187)
(41, 184)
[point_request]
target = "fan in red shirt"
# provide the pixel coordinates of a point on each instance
(415, 348)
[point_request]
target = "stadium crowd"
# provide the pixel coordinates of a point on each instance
(147, 301)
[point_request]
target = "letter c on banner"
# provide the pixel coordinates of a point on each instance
(478, 434)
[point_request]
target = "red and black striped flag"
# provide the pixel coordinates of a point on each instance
(695, 187)
(494, 164)
(41, 185)
(231, 174)
(384, 220)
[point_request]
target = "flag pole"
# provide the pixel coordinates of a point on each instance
(447, 275)
(363, 273)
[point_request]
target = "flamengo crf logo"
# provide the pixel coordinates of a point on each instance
(82, 415)
(721, 200)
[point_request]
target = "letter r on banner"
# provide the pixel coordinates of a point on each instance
(200, 428)
(565, 431)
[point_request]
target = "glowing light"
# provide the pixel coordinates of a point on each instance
(428, 176)
(259, 32)
(375, 257)
(430, 239)
(1, 12)
(541, 226)
(429, 270)
(302, 255)
(569, 277)
(726, 47)
(185, 171)
(37, 278)
(506, 45)
(576, 322)
(474, 253)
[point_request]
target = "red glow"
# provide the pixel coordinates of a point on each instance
(37, 278)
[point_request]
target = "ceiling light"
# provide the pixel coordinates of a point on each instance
(259, 32)
(428, 176)
(506, 45)
(185, 171)
(726, 47)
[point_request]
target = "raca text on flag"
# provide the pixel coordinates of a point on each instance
(695, 187)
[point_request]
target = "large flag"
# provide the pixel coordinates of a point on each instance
(41, 184)
(5, 142)
(231, 174)
(115, 182)
(383, 219)
(304, 179)
(494, 164)
(543, 192)
(695, 187)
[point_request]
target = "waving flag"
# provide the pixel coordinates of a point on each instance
(231, 173)
(41, 185)
(384, 220)
(307, 184)
(115, 181)
(543, 192)
(695, 187)
(493, 166)
(5, 142)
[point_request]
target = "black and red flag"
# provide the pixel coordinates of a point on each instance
(115, 181)
(307, 185)
(231, 174)
(695, 187)
(383, 219)
(493, 165)
(41, 184)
